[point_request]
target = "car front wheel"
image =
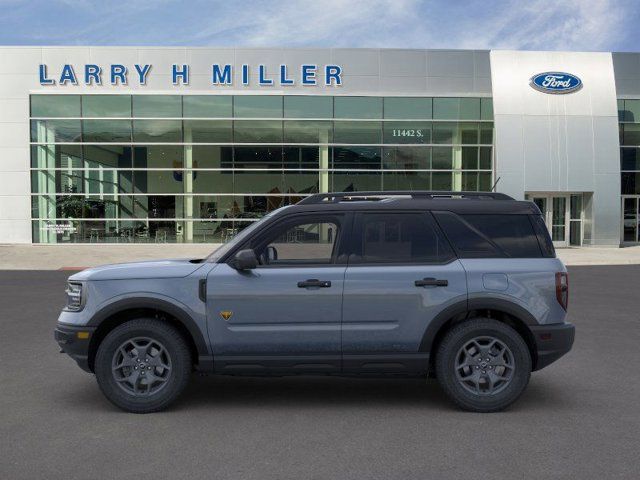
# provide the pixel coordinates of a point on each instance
(143, 365)
(483, 365)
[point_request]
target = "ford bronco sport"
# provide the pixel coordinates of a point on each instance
(462, 286)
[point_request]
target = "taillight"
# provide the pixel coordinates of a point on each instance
(562, 289)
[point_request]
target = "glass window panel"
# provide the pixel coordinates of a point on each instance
(257, 106)
(357, 132)
(445, 133)
(305, 157)
(441, 181)
(630, 219)
(407, 132)
(257, 157)
(267, 181)
(158, 181)
(469, 108)
(157, 106)
(55, 105)
(355, 182)
(469, 158)
(630, 183)
(407, 158)
(106, 130)
(632, 110)
(631, 134)
(208, 131)
(211, 156)
(158, 131)
(107, 181)
(220, 181)
(486, 158)
(407, 107)
(307, 243)
(442, 158)
(56, 156)
(630, 158)
(621, 110)
(357, 157)
(303, 182)
(308, 106)
(228, 206)
(158, 156)
(406, 181)
(486, 133)
(486, 109)
(308, 131)
(358, 107)
(257, 131)
(576, 207)
(48, 131)
(469, 181)
(109, 156)
(106, 105)
(446, 108)
(468, 133)
(484, 182)
(207, 106)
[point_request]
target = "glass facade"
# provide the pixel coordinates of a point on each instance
(171, 168)
(629, 123)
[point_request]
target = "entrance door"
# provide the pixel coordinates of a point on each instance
(563, 216)
(630, 220)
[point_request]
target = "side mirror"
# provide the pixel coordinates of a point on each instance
(245, 260)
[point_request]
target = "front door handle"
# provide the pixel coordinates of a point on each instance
(314, 282)
(431, 282)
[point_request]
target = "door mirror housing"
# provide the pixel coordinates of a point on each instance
(245, 260)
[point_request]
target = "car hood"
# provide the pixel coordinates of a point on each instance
(173, 268)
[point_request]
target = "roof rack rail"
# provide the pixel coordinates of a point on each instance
(339, 196)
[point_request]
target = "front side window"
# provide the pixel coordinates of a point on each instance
(308, 240)
(398, 238)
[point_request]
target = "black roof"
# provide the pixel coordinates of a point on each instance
(457, 202)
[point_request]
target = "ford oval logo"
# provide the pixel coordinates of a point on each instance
(556, 82)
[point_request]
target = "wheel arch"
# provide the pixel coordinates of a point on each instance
(504, 311)
(121, 311)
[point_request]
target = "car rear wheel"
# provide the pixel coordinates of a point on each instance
(483, 365)
(143, 365)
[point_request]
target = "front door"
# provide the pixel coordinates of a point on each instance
(285, 314)
(401, 274)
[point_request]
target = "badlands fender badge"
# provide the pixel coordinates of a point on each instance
(226, 314)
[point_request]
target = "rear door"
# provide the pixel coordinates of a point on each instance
(401, 274)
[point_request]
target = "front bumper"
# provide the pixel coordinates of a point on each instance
(552, 342)
(75, 341)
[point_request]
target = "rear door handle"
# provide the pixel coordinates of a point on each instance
(314, 282)
(431, 282)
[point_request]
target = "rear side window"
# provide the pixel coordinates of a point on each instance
(544, 239)
(485, 235)
(513, 234)
(398, 238)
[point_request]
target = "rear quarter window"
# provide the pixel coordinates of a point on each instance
(490, 235)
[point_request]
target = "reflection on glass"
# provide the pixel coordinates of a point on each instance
(49, 131)
(157, 106)
(257, 106)
(357, 107)
(106, 105)
(157, 131)
(207, 106)
(55, 105)
(257, 131)
(402, 108)
(299, 106)
(106, 131)
(208, 131)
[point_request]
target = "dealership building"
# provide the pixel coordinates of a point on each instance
(134, 145)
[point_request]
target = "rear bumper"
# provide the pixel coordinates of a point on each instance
(77, 347)
(552, 342)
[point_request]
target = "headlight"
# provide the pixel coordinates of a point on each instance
(74, 297)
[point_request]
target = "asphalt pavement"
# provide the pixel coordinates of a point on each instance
(578, 419)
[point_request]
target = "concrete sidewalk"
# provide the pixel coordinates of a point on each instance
(55, 257)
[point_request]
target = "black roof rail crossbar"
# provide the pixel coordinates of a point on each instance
(338, 196)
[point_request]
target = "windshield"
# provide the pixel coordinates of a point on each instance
(240, 237)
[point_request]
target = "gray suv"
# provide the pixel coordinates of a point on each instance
(465, 287)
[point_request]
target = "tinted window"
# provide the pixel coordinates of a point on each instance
(544, 239)
(398, 238)
(306, 241)
(514, 234)
(468, 242)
